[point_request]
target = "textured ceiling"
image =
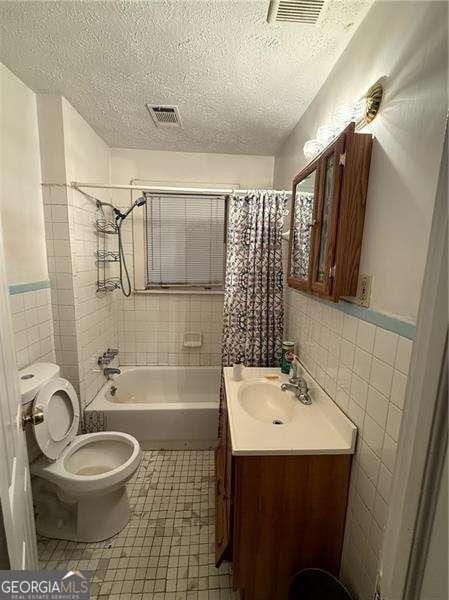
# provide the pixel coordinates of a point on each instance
(241, 84)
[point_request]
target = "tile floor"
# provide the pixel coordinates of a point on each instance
(166, 552)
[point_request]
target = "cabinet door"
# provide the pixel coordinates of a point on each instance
(303, 220)
(325, 232)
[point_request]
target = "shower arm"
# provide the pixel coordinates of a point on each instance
(119, 215)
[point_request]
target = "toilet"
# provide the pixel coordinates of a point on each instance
(78, 480)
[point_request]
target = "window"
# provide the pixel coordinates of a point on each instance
(184, 241)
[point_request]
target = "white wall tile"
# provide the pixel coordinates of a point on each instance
(357, 415)
(344, 378)
(403, 355)
(347, 353)
(377, 407)
(362, 363)
(29, 300)
(385, 345)
(373, 402)
(394, 421)
(365, 488)
(359, 390)
(380, 511)
(18, 321)
(368, 460)
(154, 326)
(389, 451)
(373, 434)
(350, 328)
(381, 376)
(398, 389)
(32, 325)
(365, 336)
(16, 303)
(384, 482)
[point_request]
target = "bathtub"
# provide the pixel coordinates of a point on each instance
(163, 407)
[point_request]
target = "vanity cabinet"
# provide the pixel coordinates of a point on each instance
(277, 514)
(327, 217)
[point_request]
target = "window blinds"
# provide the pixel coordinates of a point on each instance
(185, 241)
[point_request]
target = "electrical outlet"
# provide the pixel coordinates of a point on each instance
(364, 291)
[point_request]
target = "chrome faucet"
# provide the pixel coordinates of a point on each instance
(300, 390)
(109, 371)
(294, 370)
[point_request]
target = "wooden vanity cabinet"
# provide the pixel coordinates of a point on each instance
(327, 218)
(277, 515)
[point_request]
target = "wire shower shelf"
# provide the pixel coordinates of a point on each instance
(105, 227)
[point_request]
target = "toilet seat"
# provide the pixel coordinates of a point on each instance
(58, 402)
(70, 482)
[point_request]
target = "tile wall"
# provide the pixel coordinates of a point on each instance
(151, 329)
(364, 369)
(84, 322)
(95, 314)
(33, 327)
(61, 281)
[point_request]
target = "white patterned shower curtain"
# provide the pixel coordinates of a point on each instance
(253, 297)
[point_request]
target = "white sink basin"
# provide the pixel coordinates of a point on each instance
(265, 420)
(266, 402)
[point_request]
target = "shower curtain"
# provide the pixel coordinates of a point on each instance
(253, 297)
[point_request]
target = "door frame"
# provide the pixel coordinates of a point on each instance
(424, 431)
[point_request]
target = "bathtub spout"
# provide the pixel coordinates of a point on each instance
(109, 371)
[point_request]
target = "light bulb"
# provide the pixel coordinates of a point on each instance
(359, 109)
(326, 133)
(312, 148)
(343, 115)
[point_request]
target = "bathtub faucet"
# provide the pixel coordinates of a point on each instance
(109, 371)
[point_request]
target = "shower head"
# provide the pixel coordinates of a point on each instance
(139, 202)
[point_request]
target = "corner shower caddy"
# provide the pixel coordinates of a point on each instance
(105, 227)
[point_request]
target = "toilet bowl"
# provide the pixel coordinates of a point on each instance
(78, 480)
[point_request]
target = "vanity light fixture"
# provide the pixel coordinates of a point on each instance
(362, 112)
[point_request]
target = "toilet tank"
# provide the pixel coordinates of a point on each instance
(31, 380)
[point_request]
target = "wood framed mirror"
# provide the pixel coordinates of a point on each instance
(327, 215)
(325, 230)
(305, 193)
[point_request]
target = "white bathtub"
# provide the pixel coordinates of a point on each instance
(163, 407)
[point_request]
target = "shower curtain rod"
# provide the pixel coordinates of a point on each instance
(165, 190)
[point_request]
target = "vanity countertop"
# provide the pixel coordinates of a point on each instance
(263, 420)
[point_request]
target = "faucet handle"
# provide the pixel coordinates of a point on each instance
(295, 370)
(104, 359)
(112, 352)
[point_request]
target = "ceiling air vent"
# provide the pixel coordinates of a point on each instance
(165, 116)
(295, 11)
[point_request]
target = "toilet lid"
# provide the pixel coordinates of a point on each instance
(58, 402)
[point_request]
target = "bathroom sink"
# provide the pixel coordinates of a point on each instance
(267, 403)
(263, 420)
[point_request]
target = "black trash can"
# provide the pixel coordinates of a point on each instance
(316, 584)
